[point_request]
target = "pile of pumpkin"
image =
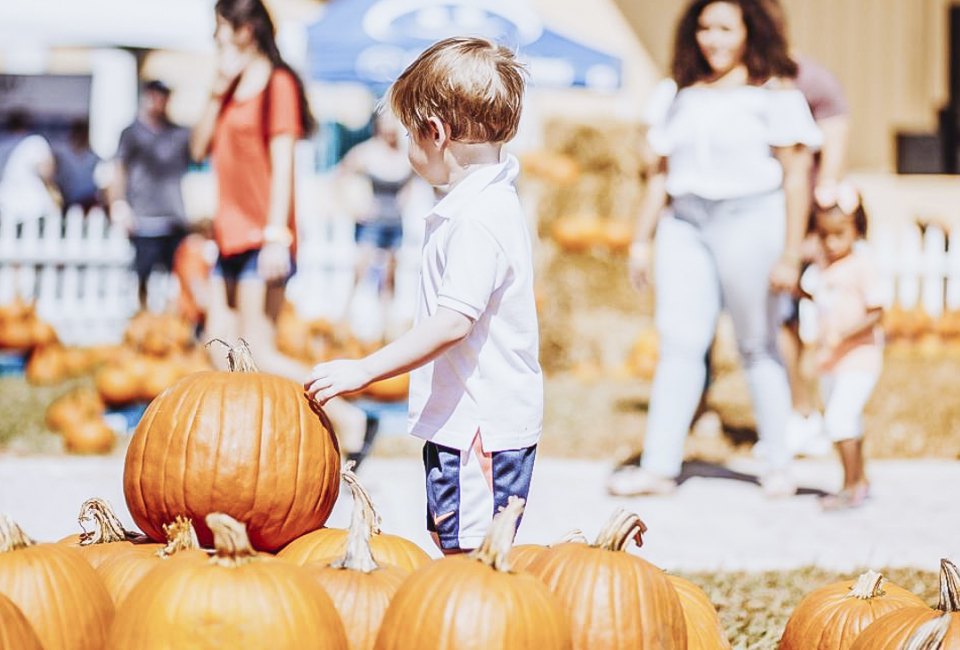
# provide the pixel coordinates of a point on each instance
(317, 340)
(232, 476)
(21, 330)
(913, 333)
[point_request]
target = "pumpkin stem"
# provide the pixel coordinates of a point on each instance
(574, 536)
(930, 635)
(949, 587)
(12, 537)
(621, 527)
(181, 536)
(106, 525)
(868, 585)
(494, 551)
(239, 357)
(358, 556)
(230, 542)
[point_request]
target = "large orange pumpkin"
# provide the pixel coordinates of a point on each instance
(327, 544)
(614, 600)
(124, 570)
(55, 589)
(704, 630)
(832, 617)
(107, 537)
(236, 599)
(523, 555)
(242, 442)
(359, 587)
(475, 601)
(892, 631)
(15, 630)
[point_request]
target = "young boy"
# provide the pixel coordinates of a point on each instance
(476, 389)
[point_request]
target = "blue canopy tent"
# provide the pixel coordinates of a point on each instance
(371, 41)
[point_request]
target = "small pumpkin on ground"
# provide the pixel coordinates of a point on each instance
(832, 617)
(107, 537)
(55, 589)
(704, 630)
(93, 436)
(15, 630)
(125, 569)
(360, 588)
(893, 630)
(79, 404)
(46, 366)
(327, 544)
(614, 600)
(242, 442)
(484, 603)
(236, 599)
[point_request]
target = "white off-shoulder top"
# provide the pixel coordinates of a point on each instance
(718, 141)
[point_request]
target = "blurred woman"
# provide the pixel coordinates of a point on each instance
(731, 141)
(257, 110)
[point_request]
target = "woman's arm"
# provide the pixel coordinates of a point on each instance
(202, 135)
(796, 161)
(274, 260)
(654, 200)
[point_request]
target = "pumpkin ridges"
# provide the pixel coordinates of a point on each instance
(699, 612)
(929, 636)
(15, 630)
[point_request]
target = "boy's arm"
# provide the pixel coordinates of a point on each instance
(421, 344)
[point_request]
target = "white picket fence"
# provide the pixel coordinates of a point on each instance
(77, 269)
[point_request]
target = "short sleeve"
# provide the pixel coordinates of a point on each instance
(821, 89)
(125, 146)
(656, 113)
(789, 120)
(284, 106)
(475, 266)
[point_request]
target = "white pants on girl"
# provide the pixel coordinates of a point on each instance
(713, 255)
(845, 394)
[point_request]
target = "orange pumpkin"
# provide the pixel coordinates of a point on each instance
(107, 537)
(328, 544)
(117, 384)
(704, 630)
(241, 442)
(577, 233)
(895, 629)
(236, 599)
(46, 366)
(832, 617)
(614, 600)
(360, 588)
(16, 335)
(617, 234)
(523, 555)
(124, 570)
(55, 589)
(79, 404)
(550, 166)
(483, 603)
(391, 389)
(160, 375)
(43, 333)
(15, 630)
(93, 436)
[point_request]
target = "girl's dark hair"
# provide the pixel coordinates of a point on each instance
(766, 53)
(253, 13)
(860, 220)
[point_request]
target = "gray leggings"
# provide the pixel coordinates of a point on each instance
(713, 255)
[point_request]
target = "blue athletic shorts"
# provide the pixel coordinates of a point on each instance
(386, 236)
(465, 489)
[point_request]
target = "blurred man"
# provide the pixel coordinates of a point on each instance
(146, 197)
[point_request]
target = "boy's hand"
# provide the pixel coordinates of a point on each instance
(335, 378)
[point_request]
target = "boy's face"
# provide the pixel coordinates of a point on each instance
(426, 154)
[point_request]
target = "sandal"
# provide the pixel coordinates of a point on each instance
(634, 481)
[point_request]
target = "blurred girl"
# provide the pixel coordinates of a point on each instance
(850, 344)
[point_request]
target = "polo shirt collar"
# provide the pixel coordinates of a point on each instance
(470, 187)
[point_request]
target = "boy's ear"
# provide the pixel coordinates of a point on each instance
(439, 132)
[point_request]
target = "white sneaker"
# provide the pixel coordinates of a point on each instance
(634, 481)
(805, 434)
(778, 484)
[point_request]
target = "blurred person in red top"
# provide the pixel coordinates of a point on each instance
(256, 112)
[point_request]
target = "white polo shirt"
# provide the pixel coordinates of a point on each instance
(477, 260)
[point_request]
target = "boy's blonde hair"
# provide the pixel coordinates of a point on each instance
(471, 84)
